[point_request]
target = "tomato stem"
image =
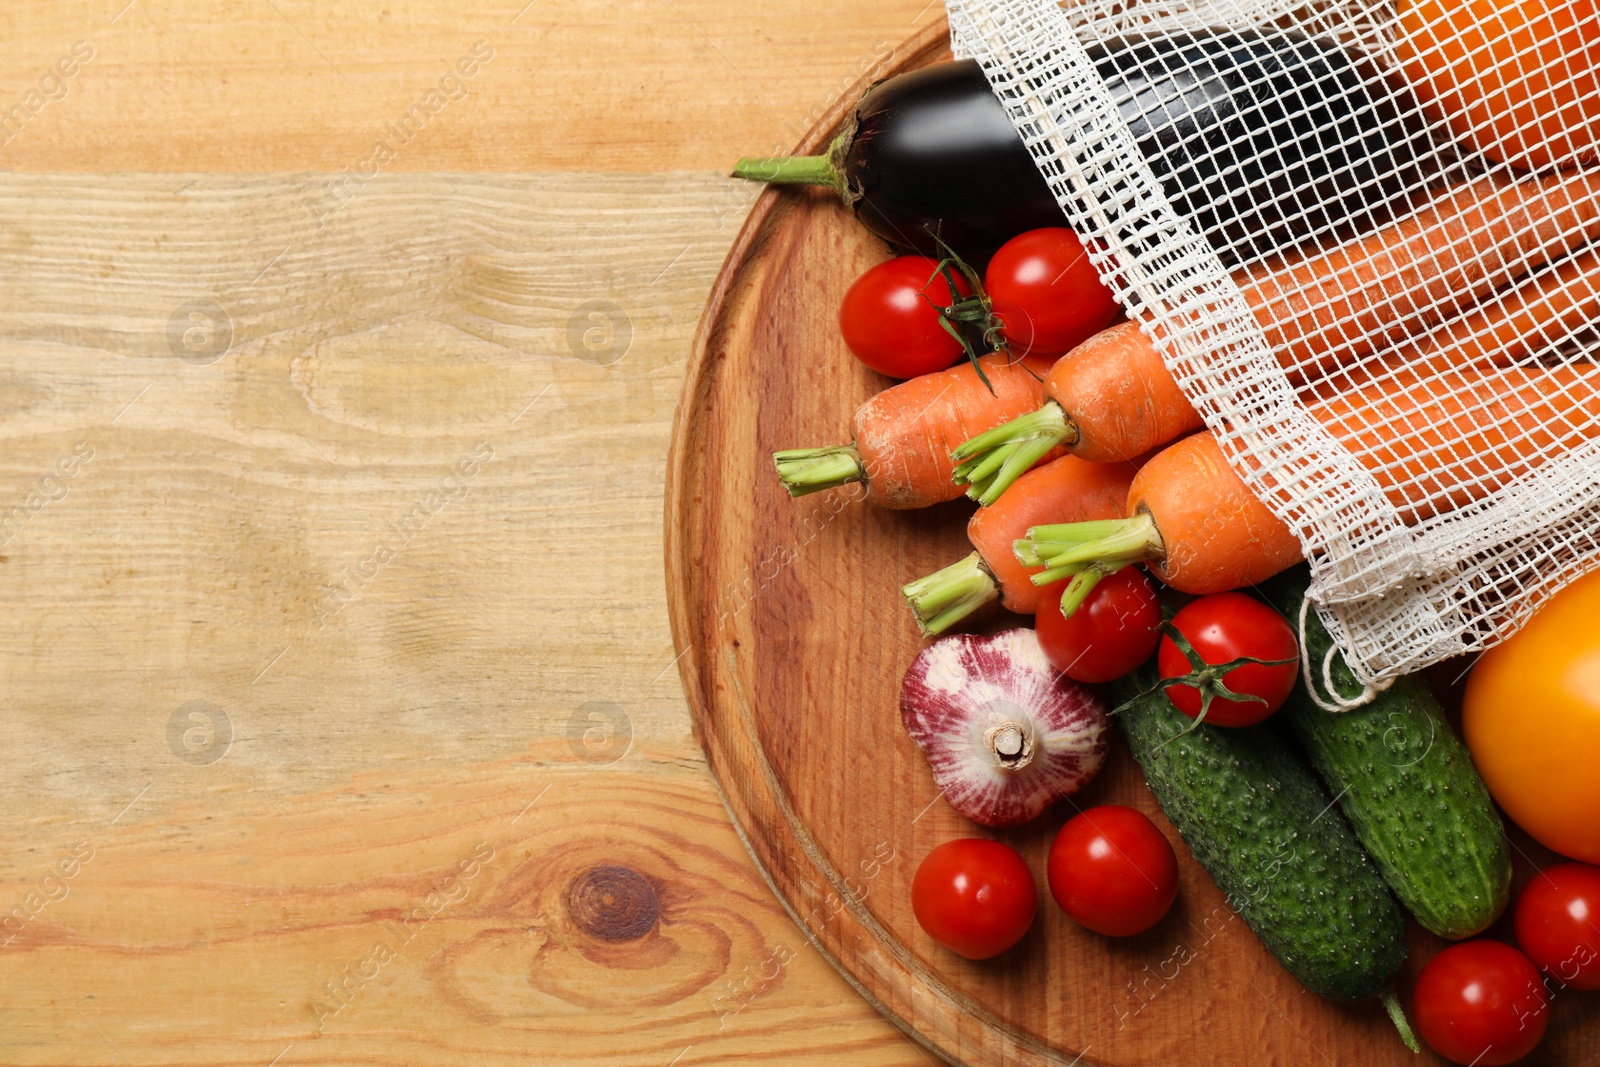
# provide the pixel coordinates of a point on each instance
(811, 470)
(945, 597)
(991, 461)
(1207, 677)
(1397, 1015)
(968, 310)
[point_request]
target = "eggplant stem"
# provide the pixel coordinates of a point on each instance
(945, 597)
(991, 461)
(826, 170)
(789, 170)
(811, 470)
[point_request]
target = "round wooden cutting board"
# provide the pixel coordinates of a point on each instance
(793, 639)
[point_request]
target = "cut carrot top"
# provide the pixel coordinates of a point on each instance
(903, 436)
(1063, 490)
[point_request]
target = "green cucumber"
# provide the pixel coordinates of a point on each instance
(1260, 822)
(1405, 783)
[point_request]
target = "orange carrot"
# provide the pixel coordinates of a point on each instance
(1544, 311)
(1122, 402)
(1449, 425)
(1215, 533)
(1113, 397)
(1191, 520)
(1445, 441)
(1329, 308)
(903, 436)
(1433, 444)
(1066, 490)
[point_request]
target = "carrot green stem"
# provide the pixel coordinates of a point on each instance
(1054, 539)
(1023, 549)
(947, 596)
(1129, 541)
(1083, 583)
(1055, 574)
(811, 470)
(991, 461)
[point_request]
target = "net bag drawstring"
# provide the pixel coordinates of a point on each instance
(1369, 690)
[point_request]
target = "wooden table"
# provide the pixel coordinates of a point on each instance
(339, 346)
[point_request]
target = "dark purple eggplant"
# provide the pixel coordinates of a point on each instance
(933, 150)
(1261, 140)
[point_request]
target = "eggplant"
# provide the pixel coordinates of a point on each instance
(929, 150)
(1262, 140)
(934, 151)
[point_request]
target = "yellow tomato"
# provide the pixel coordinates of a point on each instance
(1517, 82)
(1532, 722)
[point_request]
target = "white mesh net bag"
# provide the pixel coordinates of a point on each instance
(1427, 424)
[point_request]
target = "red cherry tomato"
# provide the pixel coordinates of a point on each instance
(890, 321)
(1223, 627)
(1111, 633)
(1481, 1003)
(975, 897)
(1046, 293)
(1558, 923)
(1111, 870)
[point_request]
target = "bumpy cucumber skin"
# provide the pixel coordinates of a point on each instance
(1262, 824)
(1407, 786)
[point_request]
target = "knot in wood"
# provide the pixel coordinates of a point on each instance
(613, 903)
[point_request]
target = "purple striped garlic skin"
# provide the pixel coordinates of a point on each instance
(1005, 734)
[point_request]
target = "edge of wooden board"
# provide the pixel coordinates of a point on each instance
(967, 1023)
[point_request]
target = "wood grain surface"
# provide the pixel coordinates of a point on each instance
(634, 86)
(300, 626)
(795, 640)
(331, 535)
